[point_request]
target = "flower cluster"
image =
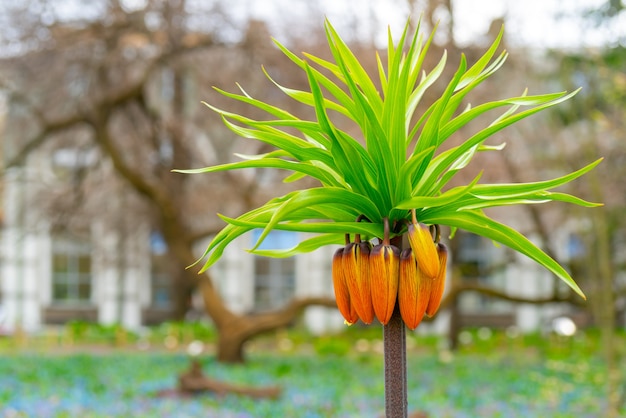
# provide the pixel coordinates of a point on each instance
(369, 279)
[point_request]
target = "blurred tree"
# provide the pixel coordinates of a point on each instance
(589, 126)
(123, 85)
(597, 124)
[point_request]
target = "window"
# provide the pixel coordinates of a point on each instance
(161, 280)
(474, 257)
(274, 278)
(71, 271)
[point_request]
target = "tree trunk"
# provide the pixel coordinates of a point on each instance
(230, 346)
(606, 317)
(604, 292)
(455, 323)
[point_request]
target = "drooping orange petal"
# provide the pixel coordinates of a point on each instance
(439, 282)
(349, 267)
(365, 288)
(413, 290)
(356, 271)
(424, 249)
(384, 270)
(342, 296)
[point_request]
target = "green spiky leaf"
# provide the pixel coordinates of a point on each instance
(392, 160)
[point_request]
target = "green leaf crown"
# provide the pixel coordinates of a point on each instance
(397, 164)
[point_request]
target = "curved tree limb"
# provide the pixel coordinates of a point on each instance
(283, 317)
(457, 289)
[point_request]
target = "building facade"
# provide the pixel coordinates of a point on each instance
(111, 273)
(108, 275)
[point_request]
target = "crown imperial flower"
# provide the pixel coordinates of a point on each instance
(395, 171)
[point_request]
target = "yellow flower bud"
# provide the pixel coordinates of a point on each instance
(424, 249)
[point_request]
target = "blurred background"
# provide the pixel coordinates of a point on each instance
(100, 100)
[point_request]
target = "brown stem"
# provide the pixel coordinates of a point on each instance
(413, 217)
(386, 231)
(394, 344)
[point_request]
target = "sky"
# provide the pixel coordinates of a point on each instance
(547, 23)
(535, 23)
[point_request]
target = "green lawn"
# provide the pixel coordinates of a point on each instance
(490, 376)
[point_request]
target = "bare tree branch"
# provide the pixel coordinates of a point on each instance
(457, 289)
(285, 316)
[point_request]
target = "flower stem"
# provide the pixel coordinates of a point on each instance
(394, 340)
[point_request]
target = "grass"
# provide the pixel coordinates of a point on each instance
(492, 375)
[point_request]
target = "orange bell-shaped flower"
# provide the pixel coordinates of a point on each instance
(384, 269)
(438, 284)
(356, 269)
(414, 290)
(342, 295)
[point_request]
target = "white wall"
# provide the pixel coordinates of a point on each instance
(233, 275)
(121, 275)
(314, 278)
(20, 250)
